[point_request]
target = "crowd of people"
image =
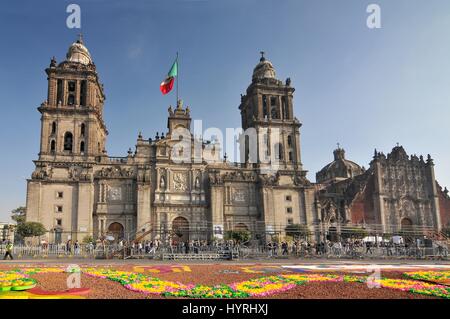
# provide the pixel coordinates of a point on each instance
(179, 247)
(354, 248)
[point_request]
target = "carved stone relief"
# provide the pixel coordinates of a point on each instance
(115, 193)
(240, 195)
(180, 181)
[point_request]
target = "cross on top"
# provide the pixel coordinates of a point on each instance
(338, 145)
(262, 55)
(80, 38)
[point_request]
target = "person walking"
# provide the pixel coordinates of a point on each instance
(9, 248)
(368, 247)
(284, 247)
(69, 247)
(269, 248)
(152, 248)
(77, 248)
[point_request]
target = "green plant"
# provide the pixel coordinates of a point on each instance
(30, 229)
(18, 215)
(240, 236)
(88, 239)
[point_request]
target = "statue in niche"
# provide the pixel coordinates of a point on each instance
(162, 183)
(197, 183)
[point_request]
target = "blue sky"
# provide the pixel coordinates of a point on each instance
(360, 87)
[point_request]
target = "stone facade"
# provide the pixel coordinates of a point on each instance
(397, 192)
(177, 187)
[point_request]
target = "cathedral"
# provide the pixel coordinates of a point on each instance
(159, 191)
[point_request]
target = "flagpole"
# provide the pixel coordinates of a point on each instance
(178, 76)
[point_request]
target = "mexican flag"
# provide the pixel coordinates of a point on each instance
(167, 85)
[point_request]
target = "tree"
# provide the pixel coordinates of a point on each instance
(240, 236)
(18, 215)
(296, 231)
(30, 229)
(88, 239)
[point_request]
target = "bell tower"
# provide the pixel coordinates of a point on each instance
(72, 126)
(267, 110)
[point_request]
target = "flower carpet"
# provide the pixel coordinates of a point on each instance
(263, 286)
(18, 282)
(439, 277)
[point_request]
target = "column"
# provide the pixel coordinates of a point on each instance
(378, 197)
(143, 207)
(51, 98)
(280, 109)
(258, 101)
(77, 93)
(217, 205)
(296, 143)
(434, 199)
(64, 90)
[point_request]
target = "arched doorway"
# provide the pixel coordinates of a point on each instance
(332, 234)
(240, 227)
(116, 230)
(406, 223)
(58, 236)
(68, 142)
(407, 230)
(180, 230)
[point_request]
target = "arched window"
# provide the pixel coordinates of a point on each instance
(71, 99)
(59, 90)
(274, 108)
(274, 112)
(247, 147)
(53, 146)
(83, 129)
(284, 108)
(289, 140)
(54, 128)
(264, 102)
(68, 142)
(83, 90)
(82, 147)
(290, 157)
(278, 148)
(71, 96)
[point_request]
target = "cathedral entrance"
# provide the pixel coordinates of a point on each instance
(180, 230)
(406, 224)
(332, 234)
(58, 236)
(116, 230)
(407, 230)
(240, 227)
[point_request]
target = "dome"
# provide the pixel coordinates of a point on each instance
(264, 69)
(341, 168)
(79, 53)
